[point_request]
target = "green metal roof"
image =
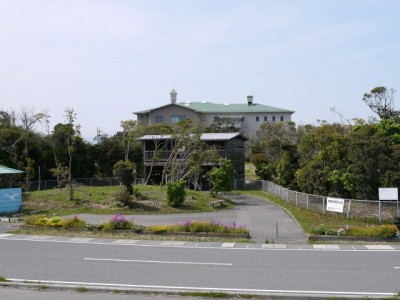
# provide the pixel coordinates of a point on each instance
(5, 170)
(209, 107)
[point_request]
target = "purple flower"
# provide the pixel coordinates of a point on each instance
(346, 227)
(187, 223)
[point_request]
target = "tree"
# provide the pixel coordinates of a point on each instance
(381, 101)
(130, 133)
(186, 142)
(28, 120)
(222, 177)
(124, 170)
(73, 133)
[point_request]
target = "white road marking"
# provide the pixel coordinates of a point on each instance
(158, 261)
(397, 267)
(205, 289)
(228, 245)
(379, 247)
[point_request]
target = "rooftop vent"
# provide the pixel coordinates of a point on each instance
(249, 100)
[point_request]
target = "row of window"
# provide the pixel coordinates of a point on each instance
(177, 118)
(273, 119)
(174, 118)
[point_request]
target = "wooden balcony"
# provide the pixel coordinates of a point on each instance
(165, 155)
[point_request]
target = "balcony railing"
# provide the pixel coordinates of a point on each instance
(164, 155)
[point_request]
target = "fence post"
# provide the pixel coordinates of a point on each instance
(348, 209)
(296, 197)
(380, 209)
(323, 205)
(307, 200)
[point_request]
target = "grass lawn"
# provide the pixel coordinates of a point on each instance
(309, 219)
(101, 200)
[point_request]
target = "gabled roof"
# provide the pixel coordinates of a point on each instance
(153, 109)
(209, 107)
(204, 136)
(6, 170)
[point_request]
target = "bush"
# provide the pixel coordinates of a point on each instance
(31, 220)
(383, 231)
(176, 193)
(43, 221)
(320, 229)
(213, 226)
(119, 222)
(55, 222)
(74, 222)
(158, 228)
(124, 199)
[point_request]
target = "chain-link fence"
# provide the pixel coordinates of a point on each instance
(51, 184)
(381, 210)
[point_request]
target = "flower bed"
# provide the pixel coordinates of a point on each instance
(380, 231)
(121, 224)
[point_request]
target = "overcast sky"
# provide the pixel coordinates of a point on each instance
(108, 59)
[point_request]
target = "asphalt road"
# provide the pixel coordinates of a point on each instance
(259, 216)
(203, 269)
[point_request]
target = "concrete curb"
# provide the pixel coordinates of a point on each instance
(189, 292)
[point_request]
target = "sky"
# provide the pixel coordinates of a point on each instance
(108, 59)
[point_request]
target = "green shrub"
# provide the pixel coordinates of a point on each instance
(158, 228)
(31, 220)
(383, 231)
(43, 221)
(320, 229)
(55, 222)
(200, 227)
(123, 198)
(74, 222)
(176, 193)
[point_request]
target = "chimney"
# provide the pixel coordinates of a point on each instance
(249, 100)
(173, 94)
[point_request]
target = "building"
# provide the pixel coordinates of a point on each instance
(246, 117)
(229, 145)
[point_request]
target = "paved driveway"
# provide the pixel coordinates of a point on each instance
(260, 217)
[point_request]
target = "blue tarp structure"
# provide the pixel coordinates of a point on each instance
(10, 199)
(6, 170)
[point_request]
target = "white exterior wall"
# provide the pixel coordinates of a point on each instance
(250, 125)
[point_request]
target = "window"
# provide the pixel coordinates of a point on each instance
(281, 118)
(273, 118)
(159, 118)
(265, 118)
(257, 118)
(177, 118)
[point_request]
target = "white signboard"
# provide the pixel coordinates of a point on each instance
(388, 194)
(334, 204)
